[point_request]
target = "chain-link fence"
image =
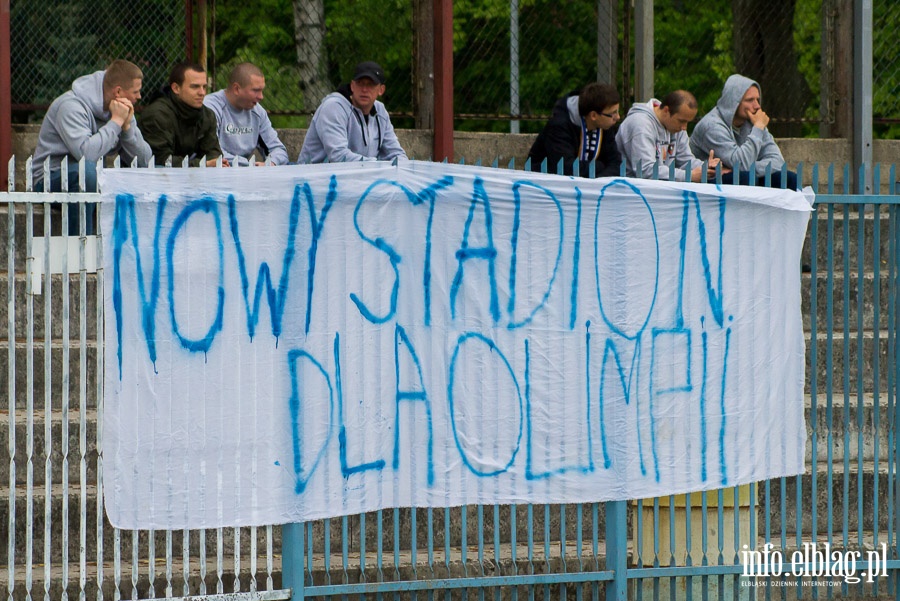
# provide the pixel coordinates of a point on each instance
(53, 42)
(886, 67)
(512, 58)
(308, 48)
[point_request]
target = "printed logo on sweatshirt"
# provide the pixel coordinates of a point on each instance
(665, 149)
(231, 128)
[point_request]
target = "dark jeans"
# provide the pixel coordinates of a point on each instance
(775, 180)
(90, 185)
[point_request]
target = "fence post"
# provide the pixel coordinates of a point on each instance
(292, 559)
(5, 92)
(617, 550)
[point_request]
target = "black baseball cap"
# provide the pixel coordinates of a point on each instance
(369, 69)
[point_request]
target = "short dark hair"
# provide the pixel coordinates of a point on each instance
(177, 74)
(675, 100)
(596, 97)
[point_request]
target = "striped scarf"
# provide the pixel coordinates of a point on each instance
(590, 142)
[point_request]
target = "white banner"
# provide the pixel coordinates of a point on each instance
(292, 343)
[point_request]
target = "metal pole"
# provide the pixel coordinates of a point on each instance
(607, 40)
(189, 28)
(514, 64)
(643, 50)
(423, 64)
(201, 25)
(293, 559)
(443, 80)
(862, 91)
(617, 549)
(5, 91)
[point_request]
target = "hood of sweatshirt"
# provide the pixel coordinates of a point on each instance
(646, 110)
(572, 106)
(89, 90)
(735, 88)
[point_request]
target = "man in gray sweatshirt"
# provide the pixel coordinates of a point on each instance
(736, 132)
(93, 119)
(90, 121)
(243, 124)
(352, 124)
(655, 133)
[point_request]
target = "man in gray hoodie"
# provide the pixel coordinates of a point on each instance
(352, 124)
(655, 133)
(736, 132)
(93, 119)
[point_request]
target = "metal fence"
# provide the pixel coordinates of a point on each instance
(53, 42)
(59, 544)
(512, 60)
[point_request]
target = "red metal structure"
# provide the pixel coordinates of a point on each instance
(443, 80)
(5, 91)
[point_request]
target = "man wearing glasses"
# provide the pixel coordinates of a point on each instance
(656, 132)
(581, 129)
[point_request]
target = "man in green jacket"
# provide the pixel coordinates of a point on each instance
(178, 125)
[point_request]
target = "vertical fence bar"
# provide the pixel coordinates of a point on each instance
(617, 550)
(876, 356)
(846, 358)
(829, 360)
(48, 405)
(270, 559)
(253, 559)
(890, 392)
(814, 361)
(29, 396)
(237, 560)
(447, 532)
(860, 365)
(186, 561)
(595, 546)
(890, 370)
(220, 560)
(202, 536)
(99, 410)
(82, 391)
(11, 386)
(66, 387)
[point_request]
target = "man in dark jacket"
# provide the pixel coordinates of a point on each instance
(177, 124)
(581, 128)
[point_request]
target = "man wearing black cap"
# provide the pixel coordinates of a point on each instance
(351, 124)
